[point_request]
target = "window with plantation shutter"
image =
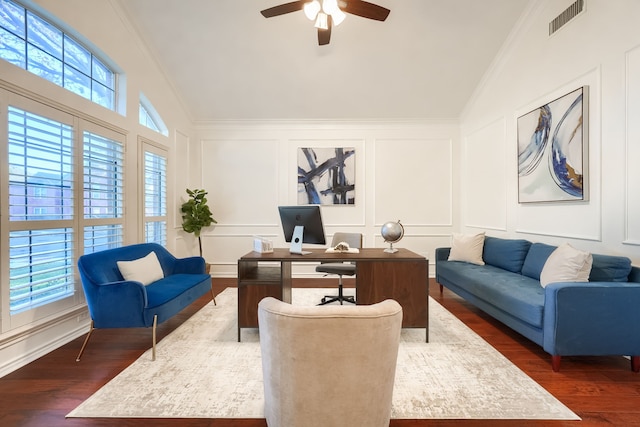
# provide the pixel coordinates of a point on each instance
(41, 209)
(41, 269)
(103, 192)
(155, 195)
(62, 179)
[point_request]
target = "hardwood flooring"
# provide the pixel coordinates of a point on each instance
(603, 391)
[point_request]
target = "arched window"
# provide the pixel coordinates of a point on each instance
(36, 45)
(150, 118)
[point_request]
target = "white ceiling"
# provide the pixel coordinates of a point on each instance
(226, 61)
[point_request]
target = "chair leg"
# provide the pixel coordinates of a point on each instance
(84, 344)
(213, 296)
(328, 299)
(153, 335)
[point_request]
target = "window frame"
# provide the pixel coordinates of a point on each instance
(148, 146)
(79, 124)
(111, 220)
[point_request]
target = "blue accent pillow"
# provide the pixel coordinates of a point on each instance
(609, 268)
(508, 254)
(534, 262)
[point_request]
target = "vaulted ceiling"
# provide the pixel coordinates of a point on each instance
(226, 61)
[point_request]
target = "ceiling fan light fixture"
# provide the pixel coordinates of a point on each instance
(338, 16)
(322, 21)
(329, 6)
(311, 9)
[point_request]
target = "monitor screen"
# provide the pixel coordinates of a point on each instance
(307, 216)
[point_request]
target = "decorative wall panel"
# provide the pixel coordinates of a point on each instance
(242, 180)
(413, 181)
(633, 148)
(485, 177)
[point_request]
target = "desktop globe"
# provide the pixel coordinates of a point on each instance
(392, 232)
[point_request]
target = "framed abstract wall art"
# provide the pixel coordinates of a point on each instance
(326, 176)
(553, 150)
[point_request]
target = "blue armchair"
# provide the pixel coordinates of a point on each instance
(114, 302)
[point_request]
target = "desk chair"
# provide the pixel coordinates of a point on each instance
(354, 240)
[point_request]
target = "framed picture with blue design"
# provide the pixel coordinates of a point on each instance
(326, 176)
(553, 157)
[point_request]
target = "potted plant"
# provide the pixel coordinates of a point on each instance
(196, 214)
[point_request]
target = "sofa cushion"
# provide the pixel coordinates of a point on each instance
(608, 268)
(172, 287)
(535, 259)
(520, 296)
(145, 270)
(505, 253)
(467, 248)
(566, 264)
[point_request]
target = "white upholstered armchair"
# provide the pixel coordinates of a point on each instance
(328, 365)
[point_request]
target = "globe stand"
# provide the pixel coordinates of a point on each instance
(392, 232)
(390, 249)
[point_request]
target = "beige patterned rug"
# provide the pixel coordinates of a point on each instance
(202, 372)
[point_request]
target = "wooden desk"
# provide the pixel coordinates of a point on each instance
(402, 276)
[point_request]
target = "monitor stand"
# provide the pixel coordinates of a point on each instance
(296, 241)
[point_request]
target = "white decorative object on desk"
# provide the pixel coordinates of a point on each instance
(262, 245)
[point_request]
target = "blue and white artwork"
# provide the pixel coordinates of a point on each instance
(326, 176)
(552, 150)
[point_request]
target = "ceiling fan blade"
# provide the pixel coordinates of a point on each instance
(366, 10)
(324, 36)
(282, 9)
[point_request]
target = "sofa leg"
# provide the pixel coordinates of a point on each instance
(213, 296)
(153, 337)
(86, 340)
(555, 362)
(441, 288)
(635, 363)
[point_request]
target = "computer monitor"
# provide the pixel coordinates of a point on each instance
(302, 224)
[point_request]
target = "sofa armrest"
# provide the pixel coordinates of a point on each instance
(593, 318)
(118, 304)
(190, 265)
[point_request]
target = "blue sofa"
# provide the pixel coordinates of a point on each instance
(117, 303)
(596, 318)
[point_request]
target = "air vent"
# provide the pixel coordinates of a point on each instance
(567, 15)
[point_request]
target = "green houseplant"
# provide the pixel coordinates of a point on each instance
(196, 214)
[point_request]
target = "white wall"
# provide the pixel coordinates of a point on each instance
(404, 171)
(599, 48)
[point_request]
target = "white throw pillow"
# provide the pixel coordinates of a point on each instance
(145, 270)
(566, 264)
(467, 248)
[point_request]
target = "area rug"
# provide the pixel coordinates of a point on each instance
(201, 371)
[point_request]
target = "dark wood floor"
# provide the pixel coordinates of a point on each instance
(603, 390)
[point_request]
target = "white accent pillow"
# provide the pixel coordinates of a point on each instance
(467, 248)
(145, 270)
(566, 264)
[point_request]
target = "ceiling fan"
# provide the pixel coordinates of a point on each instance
(327, 13)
